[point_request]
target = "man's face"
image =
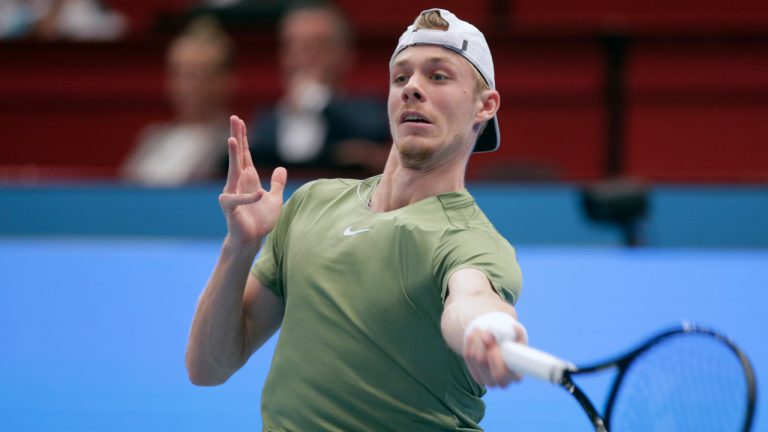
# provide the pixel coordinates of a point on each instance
(433, 106)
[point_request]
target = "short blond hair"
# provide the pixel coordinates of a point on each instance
(431, 20)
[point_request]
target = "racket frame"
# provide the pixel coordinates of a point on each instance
(622, 363)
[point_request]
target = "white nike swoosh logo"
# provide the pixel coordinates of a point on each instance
(350, 232)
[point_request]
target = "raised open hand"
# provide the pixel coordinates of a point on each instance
(250, 210)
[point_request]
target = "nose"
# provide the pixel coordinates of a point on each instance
(412, 92)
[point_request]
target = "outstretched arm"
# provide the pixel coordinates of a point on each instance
(470, 295)
(236, 314)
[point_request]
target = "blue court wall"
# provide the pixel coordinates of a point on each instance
(94, 330)
(96, 322)
(679, 216)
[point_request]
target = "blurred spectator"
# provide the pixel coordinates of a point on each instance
(314, 125)
(199, 81)
(16, 18)
(60, 19)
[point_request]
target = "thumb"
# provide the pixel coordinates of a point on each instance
(230, 201)
(279, 178)
(521, 334)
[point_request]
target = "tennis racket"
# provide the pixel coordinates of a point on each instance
(683, 379)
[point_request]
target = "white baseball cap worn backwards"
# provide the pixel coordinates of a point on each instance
(466, 40)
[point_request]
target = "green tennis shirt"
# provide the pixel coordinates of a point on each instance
(360, 347)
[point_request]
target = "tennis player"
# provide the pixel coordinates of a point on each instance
(392, 292)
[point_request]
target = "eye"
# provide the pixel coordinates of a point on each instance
(399, 79)
(439, 77)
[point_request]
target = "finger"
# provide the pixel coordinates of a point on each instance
(230, 201)
(469, 360)
(233, 171)
(233, 126)
(501, 375)
(236, 133)
(243, 161)
(497, 369)
(247, 158)
(479, 357)
(494, 375)
(243, 139)
(279, 178)
(521, 333)
(239, 135)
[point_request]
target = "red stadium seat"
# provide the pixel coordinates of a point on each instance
(640, 17)
(698, 111)
(392, 17)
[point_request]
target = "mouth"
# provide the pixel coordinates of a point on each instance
(414, 117)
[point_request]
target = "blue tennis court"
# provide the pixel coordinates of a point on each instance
(94, 331)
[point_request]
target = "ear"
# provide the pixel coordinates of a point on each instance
(489, 101)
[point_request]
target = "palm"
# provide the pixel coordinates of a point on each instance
(250, 210)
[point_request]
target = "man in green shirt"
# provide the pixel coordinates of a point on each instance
(392, 292)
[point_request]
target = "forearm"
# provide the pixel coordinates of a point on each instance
(462, 309)
(472, 299)
(218, 340)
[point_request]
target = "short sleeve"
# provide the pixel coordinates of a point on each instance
(484, 251)
(268, 265)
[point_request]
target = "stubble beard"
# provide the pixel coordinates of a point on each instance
(415, 156)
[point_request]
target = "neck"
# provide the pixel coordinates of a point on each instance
(401, 186)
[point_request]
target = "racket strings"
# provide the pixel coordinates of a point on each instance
(691, 382)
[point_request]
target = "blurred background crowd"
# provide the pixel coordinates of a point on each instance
(615, 98)
(141, 90)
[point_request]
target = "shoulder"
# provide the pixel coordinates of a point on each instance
(321, 190)
(318, 200)
(473, 242)
(463, 213)
(479, 239)
(492, 256)
(325, 186)
(471, 234)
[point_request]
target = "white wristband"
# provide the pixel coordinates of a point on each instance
(502, 325)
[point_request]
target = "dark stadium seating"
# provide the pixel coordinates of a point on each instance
(695, 79)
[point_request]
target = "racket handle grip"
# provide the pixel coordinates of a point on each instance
(532, 362)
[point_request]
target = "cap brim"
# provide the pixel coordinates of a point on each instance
(488, 141)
